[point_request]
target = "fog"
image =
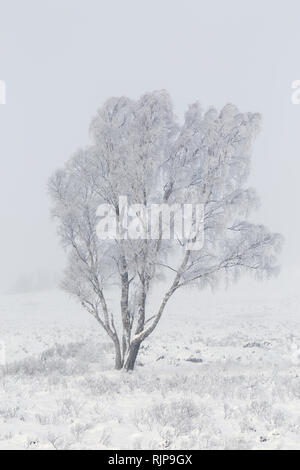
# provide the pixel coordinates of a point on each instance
(61, 59)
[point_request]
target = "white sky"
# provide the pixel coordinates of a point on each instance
(62, 58)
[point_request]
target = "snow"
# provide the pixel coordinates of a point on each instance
(225, 375)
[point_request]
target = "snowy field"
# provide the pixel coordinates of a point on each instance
(221, 372)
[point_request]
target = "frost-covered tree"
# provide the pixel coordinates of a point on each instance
(139, 150)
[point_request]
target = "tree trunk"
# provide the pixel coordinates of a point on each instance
(124, 307)
(132, 356)
(118, 356)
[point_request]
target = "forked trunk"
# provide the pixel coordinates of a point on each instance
(131, 357)
(128, 363)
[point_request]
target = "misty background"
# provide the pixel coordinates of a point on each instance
(61, 59)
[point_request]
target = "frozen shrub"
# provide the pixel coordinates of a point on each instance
(9, 413)
(101, 385)
(46, 366)
(105, 437)
(78, 430)
(43, 420)
(179, 415)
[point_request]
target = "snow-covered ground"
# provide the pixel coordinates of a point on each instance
(222, 371)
